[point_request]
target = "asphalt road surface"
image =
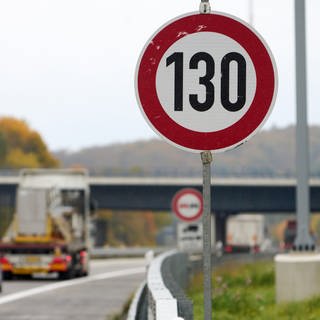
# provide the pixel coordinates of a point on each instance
(95, 297)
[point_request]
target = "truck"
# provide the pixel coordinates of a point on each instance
(49, 230)
(289, 234)
(245, 233)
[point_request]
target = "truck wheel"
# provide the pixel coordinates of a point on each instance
(7, 275)
(69, 274)
(84, 273)
(85, 270)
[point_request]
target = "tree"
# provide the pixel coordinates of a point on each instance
(3, 148)
(22, 147)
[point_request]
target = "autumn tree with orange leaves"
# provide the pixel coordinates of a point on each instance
(22, 147)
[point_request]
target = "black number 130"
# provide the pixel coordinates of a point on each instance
(206, 81)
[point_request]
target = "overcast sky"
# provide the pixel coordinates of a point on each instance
(67, 66)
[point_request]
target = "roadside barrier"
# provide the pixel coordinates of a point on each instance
(161, 304)
(163, 297)
(138, 306)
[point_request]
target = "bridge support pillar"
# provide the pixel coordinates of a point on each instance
(297, 276)
(221, 226)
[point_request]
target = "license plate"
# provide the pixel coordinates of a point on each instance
(32, 259)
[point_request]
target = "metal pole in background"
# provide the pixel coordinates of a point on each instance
(303, 241)
(206, 158)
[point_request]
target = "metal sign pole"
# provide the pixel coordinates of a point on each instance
(206, 158)
(303, 241)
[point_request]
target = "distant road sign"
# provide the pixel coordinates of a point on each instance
(206, 82)
(187, 204)
(190, 236)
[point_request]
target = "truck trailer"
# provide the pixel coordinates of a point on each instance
(49, 229)
(245, 233)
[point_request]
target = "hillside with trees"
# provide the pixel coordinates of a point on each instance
(271, 153)
(22, 147)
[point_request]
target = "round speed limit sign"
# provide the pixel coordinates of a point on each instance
(206, 82)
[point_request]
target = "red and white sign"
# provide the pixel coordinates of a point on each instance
(206, 82)
(187, 204)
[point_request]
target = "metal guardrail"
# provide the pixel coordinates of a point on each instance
(161, 303)
(138, 304)
(163, 297)
(175, 272)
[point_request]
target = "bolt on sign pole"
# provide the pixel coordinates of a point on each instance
(303, 241)
(205, 6)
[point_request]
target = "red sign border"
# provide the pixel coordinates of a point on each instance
(178, 195)
(233, 135)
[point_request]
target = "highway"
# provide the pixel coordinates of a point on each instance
(96, 297)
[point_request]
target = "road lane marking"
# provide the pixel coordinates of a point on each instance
(59, 285)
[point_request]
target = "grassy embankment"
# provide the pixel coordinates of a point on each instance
(247, 291)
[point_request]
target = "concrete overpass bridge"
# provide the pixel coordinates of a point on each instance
(229, 196)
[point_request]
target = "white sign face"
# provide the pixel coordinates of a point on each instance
(206, 82)
(201, 108)
(190, 236)
(187, 204)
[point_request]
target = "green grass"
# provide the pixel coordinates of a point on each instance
(247, 291)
